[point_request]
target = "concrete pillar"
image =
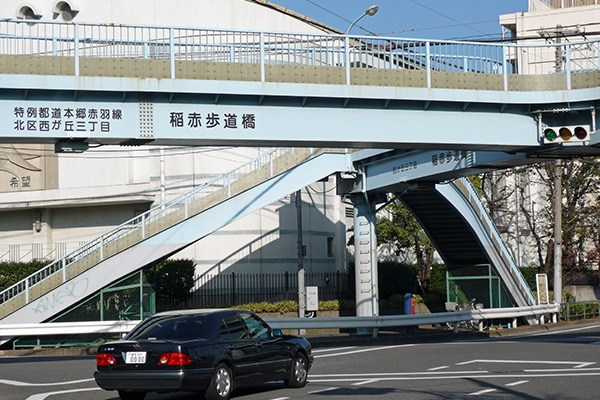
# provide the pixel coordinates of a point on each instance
(365, 260)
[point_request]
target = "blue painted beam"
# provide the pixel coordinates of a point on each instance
(45, 118)
(435, 166)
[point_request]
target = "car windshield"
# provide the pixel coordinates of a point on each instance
(180, 327)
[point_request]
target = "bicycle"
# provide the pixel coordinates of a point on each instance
(470, 324)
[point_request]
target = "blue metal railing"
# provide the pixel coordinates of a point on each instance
(193, 44)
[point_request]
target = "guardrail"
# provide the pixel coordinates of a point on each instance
(8, 331)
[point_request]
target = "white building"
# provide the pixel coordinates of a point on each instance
(52, 203)
(552, 22)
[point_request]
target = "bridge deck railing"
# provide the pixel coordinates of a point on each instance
(175, 44)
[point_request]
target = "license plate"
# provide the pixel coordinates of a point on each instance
(135, 357)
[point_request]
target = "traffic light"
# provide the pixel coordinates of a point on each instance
(566, 134)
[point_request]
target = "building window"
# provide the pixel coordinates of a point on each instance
(329, 246)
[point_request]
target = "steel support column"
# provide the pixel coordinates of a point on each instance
(365, 259)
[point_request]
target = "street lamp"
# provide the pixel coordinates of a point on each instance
(370, 12)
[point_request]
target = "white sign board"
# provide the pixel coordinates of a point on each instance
(312, 298)
(541, 281)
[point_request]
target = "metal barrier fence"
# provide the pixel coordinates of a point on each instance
(580, 310)
(212, 290)
(74, 328)
(171, 44)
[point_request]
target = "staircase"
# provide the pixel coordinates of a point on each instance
(166, 229)
(464, 234)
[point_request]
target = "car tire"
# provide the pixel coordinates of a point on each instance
(221, 384)
(298, 372)
(131, 395)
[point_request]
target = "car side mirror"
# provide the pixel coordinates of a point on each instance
(277, 333)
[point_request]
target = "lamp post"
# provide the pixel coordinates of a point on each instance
(370, 12)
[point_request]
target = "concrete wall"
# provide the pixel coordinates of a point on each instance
(222, 14)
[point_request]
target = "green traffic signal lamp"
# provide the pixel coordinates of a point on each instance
(550, 134)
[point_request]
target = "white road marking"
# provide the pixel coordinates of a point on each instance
(438, 368)
(282, 398)
(42, 396)
(19, 383)
(384, 374)
(365, 350)
(565, 330)
(324, 390)
(517, 383)
(577, 364)
(482, 392)
(333, 349)
(560, 369)
(365, 382)
(577, 373)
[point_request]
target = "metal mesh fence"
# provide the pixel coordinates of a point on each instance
(477, 282)
(131, 298)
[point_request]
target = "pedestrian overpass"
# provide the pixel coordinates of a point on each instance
(441, 110)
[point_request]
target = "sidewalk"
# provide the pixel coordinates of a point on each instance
(421, 335)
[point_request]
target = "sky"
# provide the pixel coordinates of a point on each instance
(422, 19)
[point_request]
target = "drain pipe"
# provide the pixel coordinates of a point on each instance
(163, 194)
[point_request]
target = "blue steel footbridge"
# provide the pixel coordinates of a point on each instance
(441, 110)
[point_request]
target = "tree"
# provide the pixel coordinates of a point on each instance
(402, 232)
(533, 187)
(496, 193)
(174, 281)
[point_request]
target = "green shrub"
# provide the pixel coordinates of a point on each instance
(396, 278)
(332, 305)
(13, 272)
(292, 306)
(436, 296)
(394, 302)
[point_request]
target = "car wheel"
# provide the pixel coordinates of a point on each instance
(221, 384)
(299, 372)
(131, 395)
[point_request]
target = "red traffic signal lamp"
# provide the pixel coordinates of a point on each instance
(566, 134)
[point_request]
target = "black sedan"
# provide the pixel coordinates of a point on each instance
(208, 351)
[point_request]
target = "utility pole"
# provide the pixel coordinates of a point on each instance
(301, 285)
(556, 35)
(558, 232)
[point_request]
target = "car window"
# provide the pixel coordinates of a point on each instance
(256, 327)
(232, 328)
(170, 328)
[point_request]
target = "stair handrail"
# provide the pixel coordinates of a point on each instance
(495, 235)
(255, 164)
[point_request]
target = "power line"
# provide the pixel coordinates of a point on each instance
(339, 16)
(436, 27)
(446, 16)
